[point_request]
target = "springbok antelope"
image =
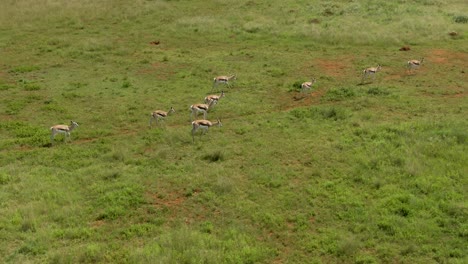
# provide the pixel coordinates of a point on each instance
(307, 85)
(370, 71)
(200, 108)
(414, 64)
(204, 125)
(160, 115)
(223, 79)
(62, 129)
(215, 98)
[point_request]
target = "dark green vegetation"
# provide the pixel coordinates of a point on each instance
(353, 173)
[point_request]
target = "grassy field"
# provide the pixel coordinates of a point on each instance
(355, 172)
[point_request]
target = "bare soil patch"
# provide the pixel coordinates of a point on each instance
(338, 68)
(442, 56)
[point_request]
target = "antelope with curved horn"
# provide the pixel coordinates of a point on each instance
(160, 115)
(64, 129)
(307, 85)
(414, 64)
(204, 125)
(196, 109)
(223, 79)
(370, 72)
(214, 98)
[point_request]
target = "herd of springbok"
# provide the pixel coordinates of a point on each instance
(211, 100)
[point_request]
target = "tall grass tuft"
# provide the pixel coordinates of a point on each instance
(214, 156)
(334, 113)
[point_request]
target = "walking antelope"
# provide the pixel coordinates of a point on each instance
(307, 85)
(215, 98)
(414, 64)
(160, 115)
(62, 129)
(370, 71)
(204, 125)
(223, 79)
(200, 108)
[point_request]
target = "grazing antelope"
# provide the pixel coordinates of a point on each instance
(160, 115)
(204, 125)
(414, 64)
(223, 79)
(215, 98)
(370, 71)
(62, 129)
(200, 108)
(307, 85)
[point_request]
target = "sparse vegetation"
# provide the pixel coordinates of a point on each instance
(356, 172)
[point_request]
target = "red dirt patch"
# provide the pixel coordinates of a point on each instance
(334, 68)
(442, 56)
(171, 200)
(97, 223)
(175, 203)
(339, 67)
(291, 100)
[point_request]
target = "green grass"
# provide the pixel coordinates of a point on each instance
(356, 172)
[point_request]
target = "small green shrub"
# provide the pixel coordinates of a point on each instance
(28, 225)
(240, 130)
(92, 254)
(461, 19)
(347, 247)
(269, 220)
(339, 94)
(365, 259)
(334, 113)
(137, 230)
(31, 87)
(152, 136)
(117, 155)
(296, 86)
(126, 83)
(14, 107)
(207, 227)
(387, 228)
(54, 107)
(275, 72)
(25, 68)
(71, 95)
(111, 213)
(301, 222)
(112, 175)
(377, 91)
(74, 233)
(4, 178)
(118, 201)
(78, 85)
(4, 86)
(224, 185)
(214, 157)
(32, 248)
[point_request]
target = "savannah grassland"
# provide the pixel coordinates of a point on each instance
(372, 172)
